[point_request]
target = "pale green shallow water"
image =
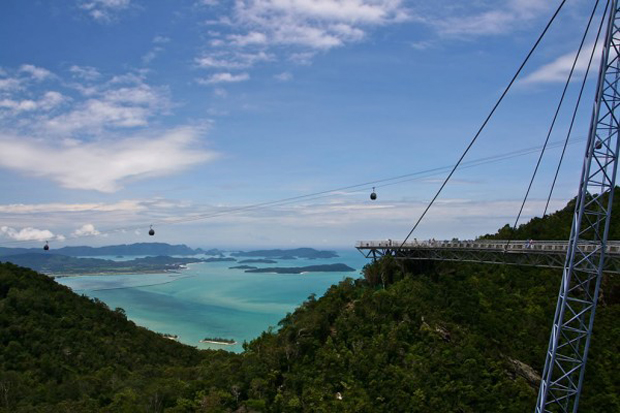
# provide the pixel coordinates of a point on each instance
(208, 299)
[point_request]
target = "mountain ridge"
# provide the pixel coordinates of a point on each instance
(140, 248)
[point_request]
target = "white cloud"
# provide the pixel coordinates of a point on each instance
(10, 84)
(284, 76)
(558, 70)
(302, 58)
(422, 45)
(29, 234)
(110, 107)
(161, 39)
(121, 206)
(85, 231)
(131, 78)
(313, 24)
(318, 38)
(220, 92)
(348, 32)
(152, 54)
(100, 140)
(369, 11)
(48, 101)
(247, 39)
(157, 50)
(103, 10)
(224, 78)
(85, 72)
(212, 62)
(96, 114)
(37, 73)
(216, 112)
(488, 18)
(490, 22)
(51, 99)
(18, 106)
(232, 60)
(103, 165)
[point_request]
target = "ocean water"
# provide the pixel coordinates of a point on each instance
(211, 300)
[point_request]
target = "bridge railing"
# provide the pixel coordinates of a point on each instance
(613, 247)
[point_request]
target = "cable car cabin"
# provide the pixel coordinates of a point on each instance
(46, 247)
(373, 195)
(151, 231)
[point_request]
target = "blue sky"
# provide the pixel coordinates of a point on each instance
(115, 114)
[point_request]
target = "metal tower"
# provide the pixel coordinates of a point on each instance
(567, 354)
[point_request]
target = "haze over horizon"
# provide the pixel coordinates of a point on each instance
(118, 114)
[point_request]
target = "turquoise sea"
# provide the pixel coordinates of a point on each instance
(211, 300)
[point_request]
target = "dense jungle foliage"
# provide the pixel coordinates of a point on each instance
(556, 226)
(423, 338)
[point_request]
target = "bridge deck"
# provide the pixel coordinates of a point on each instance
(548, 254)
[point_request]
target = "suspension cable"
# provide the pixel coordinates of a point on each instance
(555, 118)
(572, 122)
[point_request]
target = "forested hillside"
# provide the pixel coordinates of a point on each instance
(556, 226)
(65, 350)
(444, 338)
(423, 338)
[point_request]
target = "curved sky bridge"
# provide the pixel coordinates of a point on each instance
(546, 254)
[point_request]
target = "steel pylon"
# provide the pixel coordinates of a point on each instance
(566, 357)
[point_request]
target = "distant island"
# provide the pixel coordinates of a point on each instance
(213, 251)
(54, 264)
(219, 260)
(242, 267)
(258, 261)
(300, 270)
(308, 253)
(218, 340)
